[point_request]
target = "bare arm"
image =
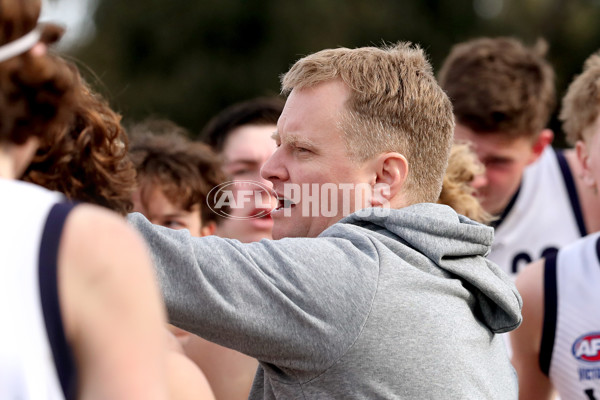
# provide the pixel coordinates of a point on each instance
(526, 340)
(185, 379)
(112, 312)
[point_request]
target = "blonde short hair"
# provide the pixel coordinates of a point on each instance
(581, 104)
(395, 105)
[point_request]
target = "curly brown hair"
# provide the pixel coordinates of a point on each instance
(87, 159)
(185, 171)
(36, 91)
(500, 85)
(457, 192)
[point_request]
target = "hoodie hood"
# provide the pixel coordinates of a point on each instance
(457, 245)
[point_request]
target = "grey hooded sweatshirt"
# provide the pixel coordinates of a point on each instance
(398, 307)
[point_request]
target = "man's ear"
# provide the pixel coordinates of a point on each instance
(391, 172)
(208, 229)
(584, 160)
(544, 139)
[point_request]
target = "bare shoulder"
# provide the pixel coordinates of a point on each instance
(100, 239)
(111, 307)
(530, 284)
(526, 340)
(530, 281)
(102, 260)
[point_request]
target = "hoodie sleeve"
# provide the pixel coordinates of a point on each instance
(287, 302)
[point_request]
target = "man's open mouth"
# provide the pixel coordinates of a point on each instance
(284, 203)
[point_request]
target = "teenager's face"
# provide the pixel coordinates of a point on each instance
(245, 151)
(594, 157)
(159, 210)
(504, 159)
(588, 154)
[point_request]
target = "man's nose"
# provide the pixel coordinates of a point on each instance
(274, 169)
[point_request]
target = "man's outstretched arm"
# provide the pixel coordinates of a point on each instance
(269, 299)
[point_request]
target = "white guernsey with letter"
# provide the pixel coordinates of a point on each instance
(570, 348)
(543, 216)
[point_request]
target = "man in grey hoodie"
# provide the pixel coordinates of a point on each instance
(371, 291)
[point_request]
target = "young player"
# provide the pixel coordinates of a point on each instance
(503, 94)
(557, 348)
(81, 308)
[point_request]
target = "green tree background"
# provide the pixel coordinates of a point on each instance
(187, 60)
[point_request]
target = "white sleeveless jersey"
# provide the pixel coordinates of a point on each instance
(35, 361)
(570, 348)
(543, 216)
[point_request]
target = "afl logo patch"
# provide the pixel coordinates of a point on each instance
(587, 347)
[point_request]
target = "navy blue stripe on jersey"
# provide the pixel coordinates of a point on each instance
(598, 249)
(550, 307)
(496, 223)
(572, 190)
(48, 279)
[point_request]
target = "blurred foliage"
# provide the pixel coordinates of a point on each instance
(186, 60)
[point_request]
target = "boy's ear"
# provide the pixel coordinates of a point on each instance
(544, 139)
(208, 229)
(583, 157)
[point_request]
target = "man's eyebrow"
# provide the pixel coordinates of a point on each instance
(294, 140)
